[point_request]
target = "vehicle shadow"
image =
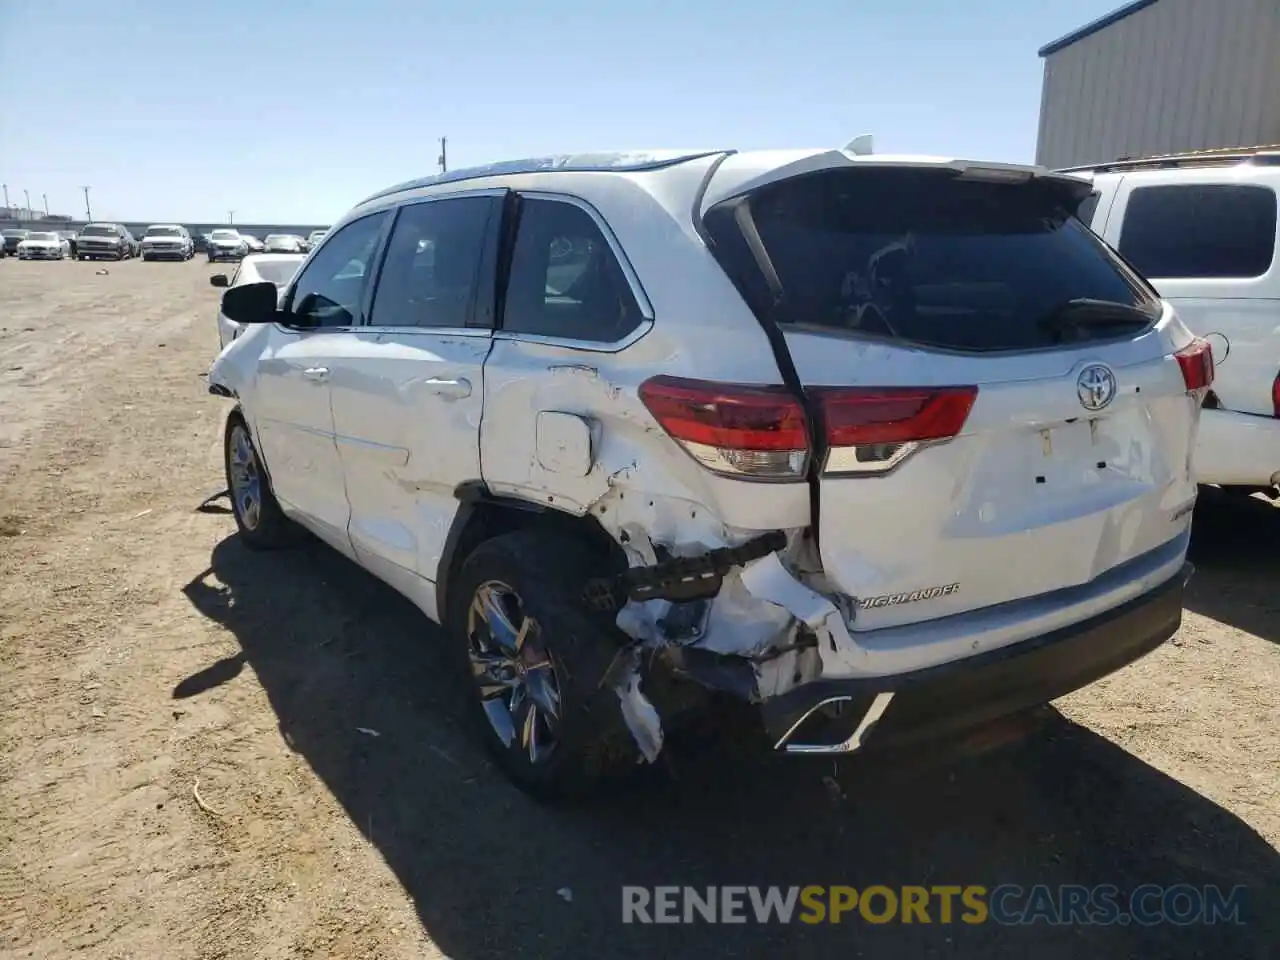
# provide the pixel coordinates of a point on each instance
(1235, 545)
(494, 874)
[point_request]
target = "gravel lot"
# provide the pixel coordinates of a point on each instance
(145, 650)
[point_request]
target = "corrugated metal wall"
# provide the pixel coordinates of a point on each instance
(1177, 75)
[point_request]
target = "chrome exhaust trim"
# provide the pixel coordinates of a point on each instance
(851, 745)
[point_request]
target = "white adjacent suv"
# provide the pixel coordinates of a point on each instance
(1203, 228)
(889, 446)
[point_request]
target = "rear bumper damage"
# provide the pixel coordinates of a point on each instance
(878, 713)
(739, 621)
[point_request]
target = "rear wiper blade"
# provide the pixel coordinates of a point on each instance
(1085, 313)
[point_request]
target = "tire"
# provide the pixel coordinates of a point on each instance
(266, 528)
(538, 574)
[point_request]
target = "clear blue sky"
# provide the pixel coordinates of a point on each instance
(289, 111)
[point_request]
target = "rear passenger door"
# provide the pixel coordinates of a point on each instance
(408, 390)
(1207, 239)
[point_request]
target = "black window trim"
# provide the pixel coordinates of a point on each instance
(286, 305)
(628, 271)
(485, 269)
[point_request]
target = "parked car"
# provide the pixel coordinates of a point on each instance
(201, 242)
(314, 237)
(942, 476)
(104, 241)
(277, 268)
(253, 243)
(226, 245)
(284, 243)
(1202, 227)
(43, 245)
(167, 241)
(12, 238)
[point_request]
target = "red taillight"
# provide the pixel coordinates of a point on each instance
(1275, 395)
(740, 430)
(1196, 361)
(760, 432)
(873, 429)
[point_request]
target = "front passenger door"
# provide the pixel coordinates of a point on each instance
(291, 409)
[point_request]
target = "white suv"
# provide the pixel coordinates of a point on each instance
(1203, 228)
(889, 446)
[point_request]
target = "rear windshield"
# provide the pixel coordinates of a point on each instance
(924, 257)
(278, 272)
(13, 233)
(225, 235)
(94, 230)
(163, 232)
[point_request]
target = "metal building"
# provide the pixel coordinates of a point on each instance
(1162, 76)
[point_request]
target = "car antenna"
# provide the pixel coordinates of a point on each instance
(860, 146)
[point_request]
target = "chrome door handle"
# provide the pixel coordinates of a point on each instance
(316, 374)
(450, 389)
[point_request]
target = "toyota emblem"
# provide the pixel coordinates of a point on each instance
(1096, 386)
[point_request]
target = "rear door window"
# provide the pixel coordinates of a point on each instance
(924, 257)
(1200, 231)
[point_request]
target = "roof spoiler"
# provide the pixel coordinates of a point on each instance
(860, 146)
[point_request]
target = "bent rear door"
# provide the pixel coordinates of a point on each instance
(981, 439)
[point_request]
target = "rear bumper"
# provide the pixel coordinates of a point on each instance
(164, 254)
(944, 702)
(1237, 449)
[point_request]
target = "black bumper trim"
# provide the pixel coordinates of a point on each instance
(953, 698)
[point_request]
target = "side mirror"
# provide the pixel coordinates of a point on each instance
(219, 280)
(251, 303)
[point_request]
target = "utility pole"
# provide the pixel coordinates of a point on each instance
(444, 160)
(45, 198)
(88, 214)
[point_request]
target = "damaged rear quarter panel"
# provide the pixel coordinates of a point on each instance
(637, 473)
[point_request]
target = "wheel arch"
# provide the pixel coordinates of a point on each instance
(483, 515)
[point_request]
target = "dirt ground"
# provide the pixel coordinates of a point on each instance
(144, 650)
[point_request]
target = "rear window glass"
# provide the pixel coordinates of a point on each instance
(925, 257)
(278, 272)
(1088, 207)
(1200, 230)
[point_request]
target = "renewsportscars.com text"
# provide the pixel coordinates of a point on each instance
(1005, 904)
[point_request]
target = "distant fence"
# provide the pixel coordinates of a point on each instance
(137, 228)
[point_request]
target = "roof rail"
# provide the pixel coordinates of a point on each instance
(1262, 156)
(620, 162)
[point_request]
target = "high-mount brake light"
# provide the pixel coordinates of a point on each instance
(870, 430)
(738, 430)
(1196, 361)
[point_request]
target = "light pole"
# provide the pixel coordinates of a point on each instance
(88, 214)
(231, 217)
(45, 198)
(26, 194)
(6, 198)
(444, 157)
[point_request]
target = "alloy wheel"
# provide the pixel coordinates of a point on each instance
(514, 674)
